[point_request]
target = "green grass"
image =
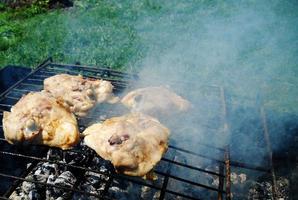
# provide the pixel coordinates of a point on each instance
(245, 46)
(91, 33)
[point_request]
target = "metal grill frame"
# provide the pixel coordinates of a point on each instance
(223, 190)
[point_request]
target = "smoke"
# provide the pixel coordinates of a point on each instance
(249, 48)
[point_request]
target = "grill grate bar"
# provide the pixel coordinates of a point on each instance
(50, 72)
(31, 85)
(10, 97)
(196, 154)
(192, 167)
(182, 195)
(20, 90)
(96, 70)
(190, 182)
(5, 105)
(115, 82)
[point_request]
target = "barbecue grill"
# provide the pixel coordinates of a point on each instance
(18, 162)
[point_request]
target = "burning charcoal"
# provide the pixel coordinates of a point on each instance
(283, 188)
(28, 186)
(34, 195)
(80, 158)
(74, 158)
(54, 154)
(149, 193)
(101, 165)
(66, 179)
(93, 183)
(263, 190)
(119, 189)
(29, 190)
(48, 168)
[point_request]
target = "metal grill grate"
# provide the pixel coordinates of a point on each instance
(27, 157)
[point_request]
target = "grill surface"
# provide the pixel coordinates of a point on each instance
(18, 161)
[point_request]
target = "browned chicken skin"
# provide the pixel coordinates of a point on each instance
(134, 143)
(155, 101)
(38, 118)
(78, 94)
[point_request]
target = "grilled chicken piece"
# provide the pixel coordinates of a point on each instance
(79, 94)
(134, 143)
(37, 118)
(155, 101)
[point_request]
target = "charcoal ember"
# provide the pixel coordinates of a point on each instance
(80, 158)
(28, 186)
(94, 182)
(263, 190)
(283, 188)
(118, 193)
(65, 179)
(121, 189)
(102, 165)
(33, 190)
(55, 154)
(45, 169)
(34, 194)
(149, 193)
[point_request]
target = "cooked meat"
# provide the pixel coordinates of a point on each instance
(134, 143)
(37, 118)
(79, 94)
(155, 101)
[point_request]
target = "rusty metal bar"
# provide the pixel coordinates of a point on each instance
(269, 149)
(228, 174)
